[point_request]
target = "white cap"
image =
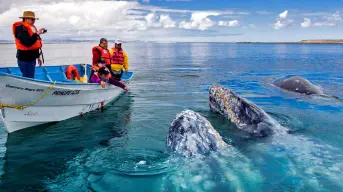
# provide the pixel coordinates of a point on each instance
(118, 41)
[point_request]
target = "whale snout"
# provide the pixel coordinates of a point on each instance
(224, 101)
(190, 133)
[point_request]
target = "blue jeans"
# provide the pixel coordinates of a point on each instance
(27, 68)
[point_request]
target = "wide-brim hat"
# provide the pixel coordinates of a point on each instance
(29, 15)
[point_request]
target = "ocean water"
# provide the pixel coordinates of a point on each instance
(123, 147)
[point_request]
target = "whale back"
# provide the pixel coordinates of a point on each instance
(299, 85)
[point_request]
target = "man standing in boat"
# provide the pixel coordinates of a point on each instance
(119, 60)
(28, 43)
(101, 52)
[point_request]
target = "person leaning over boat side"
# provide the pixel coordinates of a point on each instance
(102, 76)
(28, 43)
(119, 60)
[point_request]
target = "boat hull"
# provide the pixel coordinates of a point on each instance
(15, 119)
(62, 101)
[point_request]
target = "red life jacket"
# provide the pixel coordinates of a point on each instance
(117, 57)
(19, 45)
(105, 54)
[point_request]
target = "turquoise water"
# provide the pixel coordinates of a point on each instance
(123, 147)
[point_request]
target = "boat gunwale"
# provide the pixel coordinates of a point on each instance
(56, 82)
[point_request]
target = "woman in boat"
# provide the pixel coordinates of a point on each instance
(103, 76)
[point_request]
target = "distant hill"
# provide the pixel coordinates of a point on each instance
(313, 41)
(5, 42)
(323, 41)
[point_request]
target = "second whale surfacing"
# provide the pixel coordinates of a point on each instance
(244, 114)
(298, 85)
(314, 158)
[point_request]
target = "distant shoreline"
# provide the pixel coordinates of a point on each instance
(298, 42)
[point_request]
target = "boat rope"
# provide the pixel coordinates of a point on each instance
(22, 107)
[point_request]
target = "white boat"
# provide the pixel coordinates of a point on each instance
(50, 97)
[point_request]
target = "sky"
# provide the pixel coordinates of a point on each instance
(180, 20)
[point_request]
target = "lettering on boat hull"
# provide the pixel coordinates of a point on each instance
(24, 89)
(62, 93)
(30, 113)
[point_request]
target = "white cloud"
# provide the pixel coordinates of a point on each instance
(330, 21)
(220, 12)
(282, 21)
(326, 21)
(252, 26)
(160, 21)
(84, 20)
(151, 20)
(6, 4)
(199, 20)
(71, 15)
(167, 22)
(145, 1)
(90, 19)
(233, 23)
(283, 15)
(307, 23)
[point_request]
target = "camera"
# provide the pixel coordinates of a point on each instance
(44, 31)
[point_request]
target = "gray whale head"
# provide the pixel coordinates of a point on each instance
(191, 134)
(244, 114)
(299, 85)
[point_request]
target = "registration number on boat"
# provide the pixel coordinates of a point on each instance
(74, 92)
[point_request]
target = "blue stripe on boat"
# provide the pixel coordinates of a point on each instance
(53, 73)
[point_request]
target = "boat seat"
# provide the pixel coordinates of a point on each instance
(40, 74)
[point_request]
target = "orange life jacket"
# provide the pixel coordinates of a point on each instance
(35, 46)
(72, 70)
(117, 57)
(105, 54)
(95, 67)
